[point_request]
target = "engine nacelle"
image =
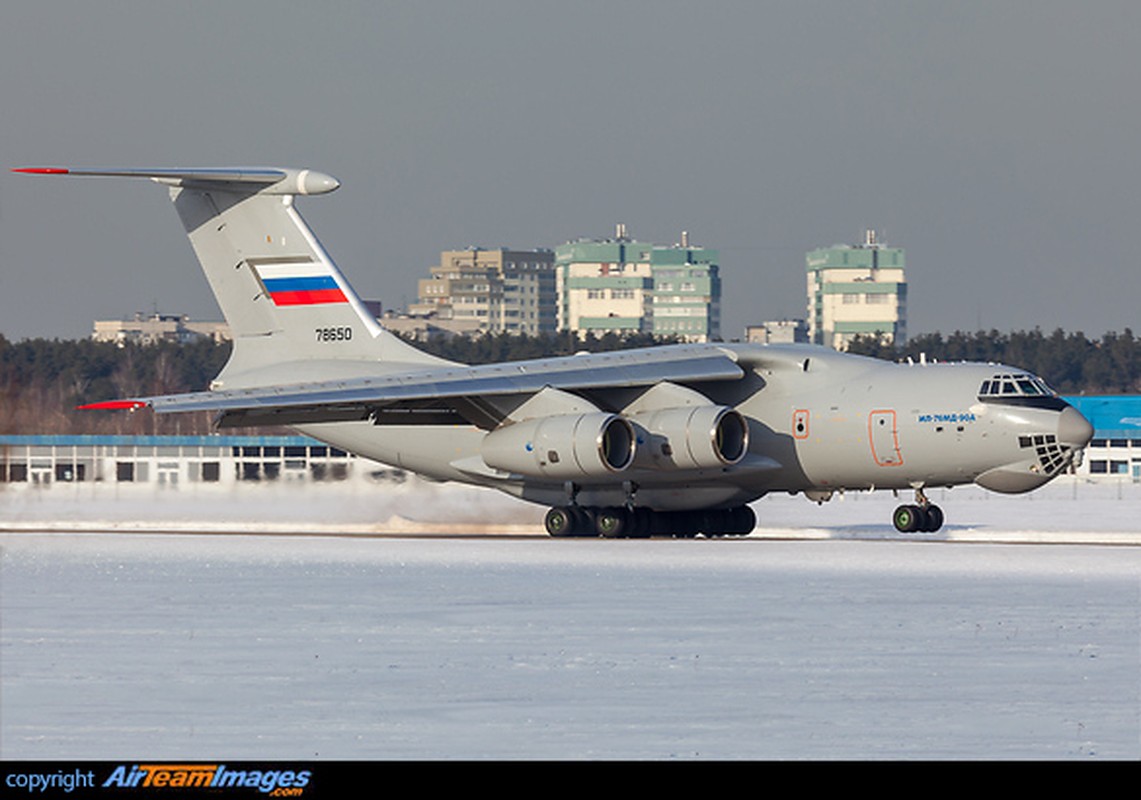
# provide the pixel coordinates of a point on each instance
(563, 447)
(692, 437)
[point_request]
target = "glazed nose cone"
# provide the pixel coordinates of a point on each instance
(1074, 429)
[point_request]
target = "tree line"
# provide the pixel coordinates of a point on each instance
(42, 381)
(497, 348)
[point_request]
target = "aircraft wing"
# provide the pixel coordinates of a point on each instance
(432, 395)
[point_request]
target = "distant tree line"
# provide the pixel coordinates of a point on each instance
(42, 381)
(1070, 362)
(496, 348)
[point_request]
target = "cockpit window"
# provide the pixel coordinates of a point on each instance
(1017, 385)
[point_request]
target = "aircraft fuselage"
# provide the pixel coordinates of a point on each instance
(819, 422)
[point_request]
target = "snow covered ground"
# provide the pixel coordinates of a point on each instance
(122, 643)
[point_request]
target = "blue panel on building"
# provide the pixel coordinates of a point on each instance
(1112, 416)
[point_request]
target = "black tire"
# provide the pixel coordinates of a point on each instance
(560, 521)
(671, 523)
(934, 519)
(583, 521)
(641, 523)
(744, 520)
(908, 519)
(612, 523)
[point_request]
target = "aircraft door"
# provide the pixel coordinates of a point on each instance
(883, 436)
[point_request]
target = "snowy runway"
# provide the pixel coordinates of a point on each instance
(1015, 633)
(192, 647)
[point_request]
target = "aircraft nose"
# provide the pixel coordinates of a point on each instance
(1074, 429)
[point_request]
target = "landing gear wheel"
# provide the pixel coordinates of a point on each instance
(560, 521)
(934, 519)
(924, 516)
(744, 521)
(569, 521)
(583, 521)
(908, 519)
(612, 523)
(641, 523)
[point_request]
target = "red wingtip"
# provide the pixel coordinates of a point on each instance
(113, 405)
(42, 170)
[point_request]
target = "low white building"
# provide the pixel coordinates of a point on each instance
(1115, 450)
(154, 328)
(783, 331)
(175, 460)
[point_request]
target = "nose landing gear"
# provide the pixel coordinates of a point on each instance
(923, 517)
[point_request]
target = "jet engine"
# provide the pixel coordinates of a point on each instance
(692, 437)
(563, 447)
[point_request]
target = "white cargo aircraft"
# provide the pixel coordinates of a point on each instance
(673, 440)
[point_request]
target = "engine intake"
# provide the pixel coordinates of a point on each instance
(692, 437)
(563, 447)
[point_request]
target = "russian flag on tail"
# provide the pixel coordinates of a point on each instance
(300, 284)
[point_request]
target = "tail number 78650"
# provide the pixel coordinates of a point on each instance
(334, 334)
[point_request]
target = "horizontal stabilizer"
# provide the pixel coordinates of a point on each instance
(282, 181)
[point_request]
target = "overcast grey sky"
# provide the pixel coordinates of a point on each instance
(996, 141)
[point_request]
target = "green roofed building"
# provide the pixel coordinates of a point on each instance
(857, 290)
(621, 286)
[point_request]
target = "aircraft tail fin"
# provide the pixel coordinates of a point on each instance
(282, 295)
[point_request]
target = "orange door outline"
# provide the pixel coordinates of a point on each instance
(883, 437)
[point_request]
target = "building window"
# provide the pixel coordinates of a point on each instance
(14, 473)
(68, 473)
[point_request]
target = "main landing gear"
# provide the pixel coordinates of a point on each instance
(621, 522)
(923, 517)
